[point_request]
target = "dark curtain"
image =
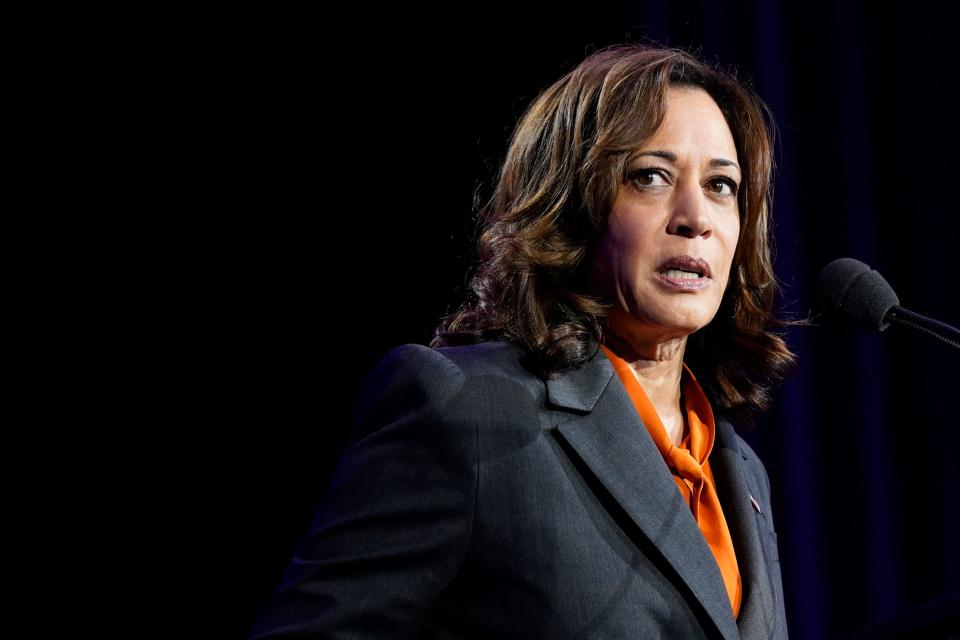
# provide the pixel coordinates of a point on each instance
(356, 145)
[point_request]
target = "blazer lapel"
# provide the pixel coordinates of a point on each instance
(618, 449)
(727, 462)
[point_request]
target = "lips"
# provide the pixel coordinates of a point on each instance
(686, 263)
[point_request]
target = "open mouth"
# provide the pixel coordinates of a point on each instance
(684, 267)
(679, 274)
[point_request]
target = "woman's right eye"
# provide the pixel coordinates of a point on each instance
(643, 177)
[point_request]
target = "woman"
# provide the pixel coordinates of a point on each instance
(561, 461)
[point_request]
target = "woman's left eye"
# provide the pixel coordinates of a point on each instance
(725, 182)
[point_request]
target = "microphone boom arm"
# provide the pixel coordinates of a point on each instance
(922, 324)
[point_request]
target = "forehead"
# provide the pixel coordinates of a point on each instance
(693, 123)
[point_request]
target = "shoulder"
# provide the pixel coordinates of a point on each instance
(491, 367)
(467, 383)
(494, 358)
(416, 363)
(410, 382)
(478, 357)
(494, 373)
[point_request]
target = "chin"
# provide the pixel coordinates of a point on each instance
(669, 318)
(686, 323)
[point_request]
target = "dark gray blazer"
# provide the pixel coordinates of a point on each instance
(480, 501)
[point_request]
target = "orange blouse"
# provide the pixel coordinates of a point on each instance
(690, 466)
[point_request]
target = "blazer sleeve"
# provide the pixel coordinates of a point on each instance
(392, 529)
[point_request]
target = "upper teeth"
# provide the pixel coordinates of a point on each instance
(677, 273)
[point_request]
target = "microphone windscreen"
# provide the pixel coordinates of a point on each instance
(850, 289)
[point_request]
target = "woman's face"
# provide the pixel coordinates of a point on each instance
(665, 258)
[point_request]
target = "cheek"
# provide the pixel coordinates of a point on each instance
(731, 241)
(636, 241)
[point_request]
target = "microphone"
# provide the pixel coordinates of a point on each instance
(850, 289)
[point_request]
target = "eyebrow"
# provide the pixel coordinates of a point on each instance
(672, 157)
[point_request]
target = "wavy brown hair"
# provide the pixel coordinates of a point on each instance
(566, 160)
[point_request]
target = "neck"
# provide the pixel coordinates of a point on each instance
(658, 367)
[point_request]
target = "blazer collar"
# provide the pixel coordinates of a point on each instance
(580, 389)
(612, 441)
(736, 490)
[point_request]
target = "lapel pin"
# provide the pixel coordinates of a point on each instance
(755, 504)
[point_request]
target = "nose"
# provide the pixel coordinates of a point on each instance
(691, 215)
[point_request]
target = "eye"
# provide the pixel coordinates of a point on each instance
(643, 177)
(723, 181)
